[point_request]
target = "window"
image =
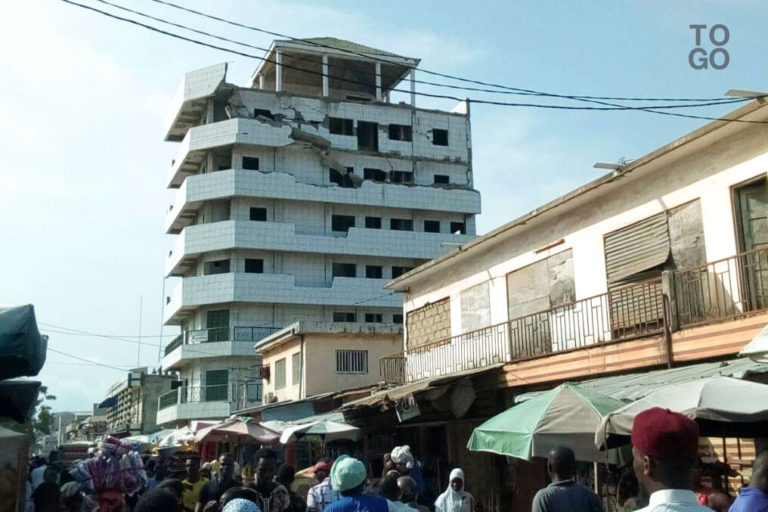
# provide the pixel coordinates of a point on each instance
(374, 174)
(296, 368)
(215, 267)
(344, 270)
(439, 137)
(342, 222)
(339, 316)
(343, 179)
(401, 177)
(280, 373)
(458, 228)
(400, 132)
(217, 325)
(398, 271)
(373, 222)
(254, 266)
(373, 272)
(250, 163)
(401, 224)
(397, 318)
(216, 384)
(367, 136)
(351, 361)
(431, 226)
(341, 126)
(263, 112)
(259, 214)
(442, 179)
(374, 318)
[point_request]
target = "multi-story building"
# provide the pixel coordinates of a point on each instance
(298, 197)
(659, 265)
(131, 403)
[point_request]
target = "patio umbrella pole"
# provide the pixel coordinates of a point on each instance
(597, 484)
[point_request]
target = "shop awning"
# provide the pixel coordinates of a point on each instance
(22, 347)
(18, 398)
(635, 386)
(722, 406)
(757, 349)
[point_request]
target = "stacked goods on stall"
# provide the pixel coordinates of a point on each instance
(115, 470)
(73, 451)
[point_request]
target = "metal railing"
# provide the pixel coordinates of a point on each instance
(214, 334)
(173, 345)
(242, 394)
(623, 313)
(723, 289)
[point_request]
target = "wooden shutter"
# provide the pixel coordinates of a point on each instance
(636, 248)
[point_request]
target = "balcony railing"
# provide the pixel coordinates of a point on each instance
(173, 345)
(624, 313)
(723, 289)
(214, 334)
(238, 393)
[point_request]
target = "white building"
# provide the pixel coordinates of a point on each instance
(298, 197)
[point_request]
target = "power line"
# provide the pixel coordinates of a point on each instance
(506, 89)
(80, 331)
(87, 360)
(610, 107)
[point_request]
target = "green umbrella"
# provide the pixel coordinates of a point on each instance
(568, 415)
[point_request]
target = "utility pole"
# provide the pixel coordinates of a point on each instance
(138, 355)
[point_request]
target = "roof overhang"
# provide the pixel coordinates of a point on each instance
(754, 111)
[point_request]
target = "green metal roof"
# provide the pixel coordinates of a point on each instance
(343, 45)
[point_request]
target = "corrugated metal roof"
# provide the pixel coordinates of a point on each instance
(348, 46)
(634, 386)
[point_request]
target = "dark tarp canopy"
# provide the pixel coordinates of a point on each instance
(18, 398)
(22, 347)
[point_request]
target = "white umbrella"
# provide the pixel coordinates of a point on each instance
(177, 437)
(720, 405)
(237, 429)
(328, 430)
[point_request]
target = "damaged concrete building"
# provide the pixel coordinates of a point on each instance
(298, 197)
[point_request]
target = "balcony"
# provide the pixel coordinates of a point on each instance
(197, 291)
(214, 342)
(283, 185)
(200, 139)
(280, 236)
(206, 402)
(724, 290)
(622, 314)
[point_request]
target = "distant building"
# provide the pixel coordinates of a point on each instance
(298, 197)
(131, 403)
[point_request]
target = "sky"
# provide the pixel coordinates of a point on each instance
(84, 98)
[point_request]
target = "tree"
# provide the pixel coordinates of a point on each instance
(44, 420)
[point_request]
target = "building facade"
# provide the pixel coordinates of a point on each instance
(660, 264)
(298, 197)
(131, 403)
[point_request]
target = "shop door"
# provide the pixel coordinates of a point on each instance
(752, 215)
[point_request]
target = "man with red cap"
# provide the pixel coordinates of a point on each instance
(665, 446)
(322, 494)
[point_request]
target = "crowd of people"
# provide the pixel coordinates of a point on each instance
(664, 448)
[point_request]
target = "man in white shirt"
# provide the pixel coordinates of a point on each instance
(665, 446)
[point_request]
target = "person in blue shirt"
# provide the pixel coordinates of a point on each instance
(348, 477)
(755, 497)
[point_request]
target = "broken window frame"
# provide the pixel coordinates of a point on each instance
(343, 316)
(373, 222)
(400, 132)
(214, 267)
(431, 226)
(375, 175)
(404, 177)
(441, 179)
(341, 126)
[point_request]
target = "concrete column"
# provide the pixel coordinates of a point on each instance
(378, 81)
(278, 71)
(261, 81)
(413, 87)
(326, 78)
